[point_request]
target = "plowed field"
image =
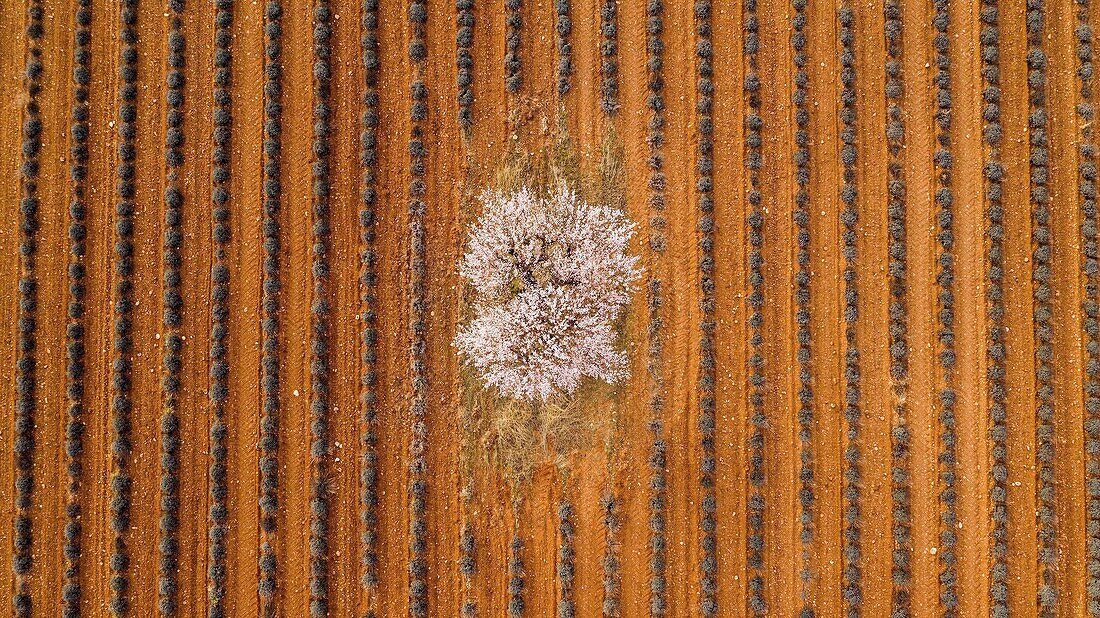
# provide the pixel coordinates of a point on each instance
(865, 358)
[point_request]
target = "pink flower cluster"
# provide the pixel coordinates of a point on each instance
(551, 276)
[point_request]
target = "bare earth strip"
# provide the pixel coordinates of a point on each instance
(827, 300)
(197, 261)
(245, 284)
(1020, 344)
(11, 123)
(148, 348)
(484, 151)
(780, 440)
(393, 350)
(1066, 279)
(874, 304)
(345, 324)
(923, 342)
(681, 335)
(972, 331)
(444, 237)
(101, 164)
(53, 244)
(731, 337)
(297, 223)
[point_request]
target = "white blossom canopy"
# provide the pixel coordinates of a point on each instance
(552, 276)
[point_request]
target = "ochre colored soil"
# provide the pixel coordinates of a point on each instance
(458, 166)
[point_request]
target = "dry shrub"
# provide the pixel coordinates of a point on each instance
(522, 436)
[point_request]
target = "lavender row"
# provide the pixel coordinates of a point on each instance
(320, 315)
(121, 361)
(852, 542)
(754, 159)
(996, 352)
(272, 239)
(369, 285)
(418, 464)
(75, 329)
(803, 301)
(26, 403)
(1090, 308)
(171, 319)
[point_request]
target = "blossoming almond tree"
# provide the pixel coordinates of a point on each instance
(551, 276)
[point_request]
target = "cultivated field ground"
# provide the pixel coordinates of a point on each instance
(865, 355)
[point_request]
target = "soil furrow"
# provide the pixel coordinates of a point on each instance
(444, 237)
(874, 310)
(1019, 324)
(777, 184)
(244, 262)
(681, 299)
(730, 277)
(1066, 303)
(827, 298)
(195, 327)
(52, 292)
(973, 528)
(921, 248)
(393, 310)
(12, 64)
(580, 112)
(346, 349)
(101, 160)
(296, 226)
(147, 351)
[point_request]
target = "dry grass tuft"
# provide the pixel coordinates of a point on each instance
(520, 437)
